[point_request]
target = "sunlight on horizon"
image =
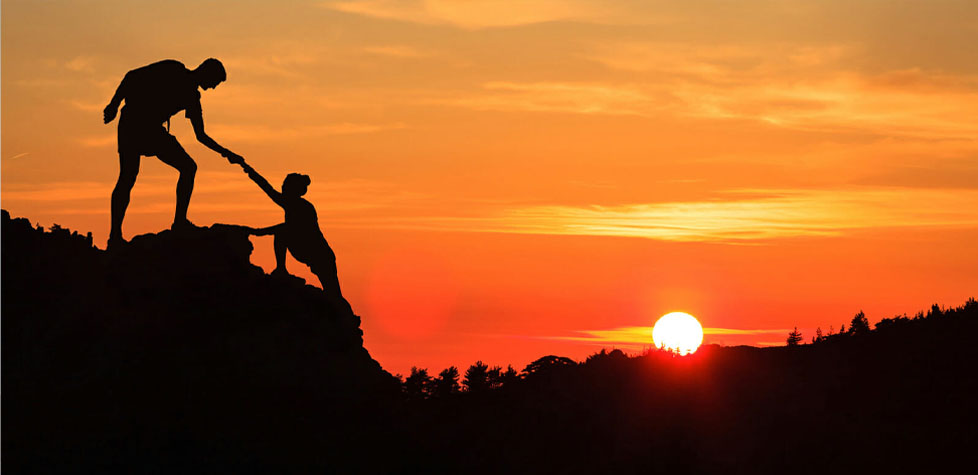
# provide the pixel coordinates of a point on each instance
(679, 332)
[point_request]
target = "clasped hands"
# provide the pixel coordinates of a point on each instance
(232, 157)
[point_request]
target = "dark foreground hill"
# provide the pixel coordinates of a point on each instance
(176, 355)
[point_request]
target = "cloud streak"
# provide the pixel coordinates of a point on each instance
(637, 337)
(397, 51)
(774, 214)
(743, 217)
(815, 87)
(578, 98)
(260, 133)
(477, 14)
(147, 186)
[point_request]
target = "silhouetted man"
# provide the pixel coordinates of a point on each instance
(153, 94)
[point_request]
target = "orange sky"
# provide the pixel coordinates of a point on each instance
(503, 180)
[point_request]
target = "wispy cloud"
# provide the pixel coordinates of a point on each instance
(478, 14)
(722, 62)
(293, 64)
(147, 186)
(774, 214)
(86, 105)
(911, 104)
(812, 87)
(744, 217)
(840, 103)
(260, 133)
(637, 337)
(397, 51)
(579, 98)
(95, 141)
(81, 64)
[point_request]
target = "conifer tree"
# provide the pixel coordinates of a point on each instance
(794, 338)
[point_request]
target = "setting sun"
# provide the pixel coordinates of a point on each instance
(678, 331)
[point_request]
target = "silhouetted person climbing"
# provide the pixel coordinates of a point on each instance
(153, 94)
(300, 234)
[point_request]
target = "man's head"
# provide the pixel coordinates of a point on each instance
(210, 73)
(295, 184)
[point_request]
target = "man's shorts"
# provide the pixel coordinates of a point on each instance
(150, 140)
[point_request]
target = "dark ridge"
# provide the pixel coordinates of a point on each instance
(173, 353)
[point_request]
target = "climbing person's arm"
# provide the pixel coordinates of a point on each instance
(262, 183)
(120, 93)
(268, 230)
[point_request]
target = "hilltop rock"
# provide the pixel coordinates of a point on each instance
(174, 349)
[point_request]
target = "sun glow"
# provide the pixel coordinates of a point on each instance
(679, 332)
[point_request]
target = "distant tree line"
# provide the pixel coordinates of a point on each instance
(479, 378)
(859, 325)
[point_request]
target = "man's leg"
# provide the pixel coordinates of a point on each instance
(175, 156)
(128, 169)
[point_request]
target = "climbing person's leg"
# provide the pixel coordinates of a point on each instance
(128, 169)
(173, 154)
(329, 280)
(281, 245)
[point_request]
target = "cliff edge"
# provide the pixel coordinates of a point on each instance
(174, 353)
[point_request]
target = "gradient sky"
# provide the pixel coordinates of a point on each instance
(503, 180)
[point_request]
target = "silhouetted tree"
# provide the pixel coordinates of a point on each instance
(548, 364)
(447, 383)
(495, 377)
(794, 337)
(477, 377)
(418, 384)
(819, 337)
(509, 376)
(859, 324)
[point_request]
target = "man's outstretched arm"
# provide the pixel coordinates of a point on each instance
(198, 122)
(120, 93)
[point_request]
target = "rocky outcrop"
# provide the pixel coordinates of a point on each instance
(172, 350)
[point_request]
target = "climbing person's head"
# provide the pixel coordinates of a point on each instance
(295, 184)
(210, 73)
